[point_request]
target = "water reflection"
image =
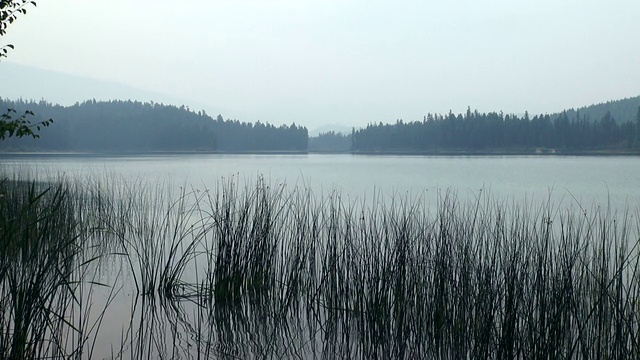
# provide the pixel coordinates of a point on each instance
(262, 271)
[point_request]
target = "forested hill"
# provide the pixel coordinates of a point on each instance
(476, 132)
(128, 126)
(621, 111)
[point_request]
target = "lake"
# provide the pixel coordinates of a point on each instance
(266, 275)
(583, 179)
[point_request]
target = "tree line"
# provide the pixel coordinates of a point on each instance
(474, 131)
(234, 135)
(330, 141)
(133, 126)
(622, 110)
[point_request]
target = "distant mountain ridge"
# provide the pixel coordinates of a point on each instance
(624, 110)
(332, 127)
(30, 83)
(132, 127)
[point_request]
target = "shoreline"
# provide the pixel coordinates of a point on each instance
(496, 152)
(505, 152)
(144, 153)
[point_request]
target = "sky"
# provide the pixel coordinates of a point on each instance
(348, 62)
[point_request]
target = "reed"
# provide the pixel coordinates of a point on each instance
(43, 268)
(267, 270)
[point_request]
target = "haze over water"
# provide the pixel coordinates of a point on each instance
(584, 180)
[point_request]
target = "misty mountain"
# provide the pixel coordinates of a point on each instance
(132, 126)
(622, 111)
(332, 127)
(29, 83)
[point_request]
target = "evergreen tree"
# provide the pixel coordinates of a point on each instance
(494, 131)
(132, 126)
(637, 128)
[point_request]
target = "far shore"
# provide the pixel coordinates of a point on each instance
(434, 152)
(146, 153)
(506, 152)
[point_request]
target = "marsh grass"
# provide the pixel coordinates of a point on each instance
(44, 272)
(270, 271)
(481, 279)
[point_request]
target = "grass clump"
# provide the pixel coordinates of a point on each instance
(270, 271)
(43, 262)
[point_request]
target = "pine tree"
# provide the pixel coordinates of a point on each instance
(635, 140)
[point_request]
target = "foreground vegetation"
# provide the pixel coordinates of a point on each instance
(263, 270)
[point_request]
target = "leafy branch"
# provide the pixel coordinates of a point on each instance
(9, 11)
(10, 125)
(20, 126)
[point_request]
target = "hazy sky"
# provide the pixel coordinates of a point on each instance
(349, 61)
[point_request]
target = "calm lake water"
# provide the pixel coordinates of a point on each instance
(585, 179)
(139, 327)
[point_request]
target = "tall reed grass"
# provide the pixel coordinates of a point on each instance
(270, 271)
(44, 271)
